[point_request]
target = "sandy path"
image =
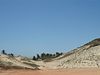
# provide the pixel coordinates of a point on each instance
(53, 72)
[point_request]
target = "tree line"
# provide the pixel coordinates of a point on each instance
(44, 56)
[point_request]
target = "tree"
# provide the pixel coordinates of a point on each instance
(61, 53)
(57, 54)
(34, 58)
(3, 52)
(12, 54)
(47, 55)
(51, 55)
(38, 56)
(54, 55)
(43, 56)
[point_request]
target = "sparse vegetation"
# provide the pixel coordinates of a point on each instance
(93, 43)
(31, 64)
(34, 58)
(11, 54)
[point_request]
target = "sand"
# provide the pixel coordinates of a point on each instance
(52, 72)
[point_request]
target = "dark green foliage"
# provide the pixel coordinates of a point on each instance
(57, 54)
(47, 56)
(34, 58)
(43, 56)
(11, 54)
(3, 52)
(38, 56)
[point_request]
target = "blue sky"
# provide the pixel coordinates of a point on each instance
(28, 27)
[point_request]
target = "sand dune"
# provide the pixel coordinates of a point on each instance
(71, 63)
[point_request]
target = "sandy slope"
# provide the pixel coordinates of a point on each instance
(52, 72)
